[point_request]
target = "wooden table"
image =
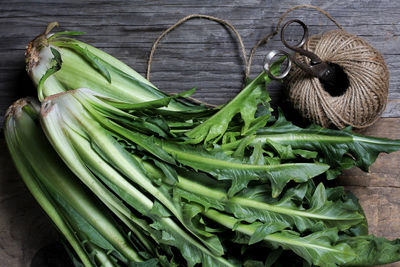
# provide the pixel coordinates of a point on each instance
(199, 54)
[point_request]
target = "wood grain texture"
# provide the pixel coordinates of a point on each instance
(198, 54)
(379, 189)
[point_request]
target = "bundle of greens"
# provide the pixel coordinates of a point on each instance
(86, 224)
(174, 184)
(66, 64)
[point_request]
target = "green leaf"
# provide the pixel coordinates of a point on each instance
(170, 174)
(127, 84)
(253, 204)
(97, 109)
(240, 171)
(55, 64)
(264, 230)
(302, 208)
(159, 210)
(322, 213)
(372, 251)
(148, 263)
(218, 164)
(341, 149)
(286, 151)
(273, 257)
(95, 61)
(332, 145)
(319, 248)
(71, 33)
(193, 221)
(150, 105)
(75, 211)
(206, 201)
(245, 103)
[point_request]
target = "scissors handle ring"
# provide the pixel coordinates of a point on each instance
(269, 61)
(303, 39)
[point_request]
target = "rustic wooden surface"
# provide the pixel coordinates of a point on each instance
(199, 54)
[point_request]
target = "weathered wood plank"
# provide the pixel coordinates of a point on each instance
(384, 172)
(379, 189)
(202, 54)
(199, 54)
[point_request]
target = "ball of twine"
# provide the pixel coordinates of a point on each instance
(363, 101)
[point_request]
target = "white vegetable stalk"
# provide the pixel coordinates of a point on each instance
(97, 159)
(80, 217)
(57, 64)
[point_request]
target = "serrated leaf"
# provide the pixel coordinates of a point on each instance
(240, 171)
(159, 210)
(371, 250)
(85, 96)
(206, 202)
(192, 220)
(245, 103)
(218, 164)
(322, 213)
(319, 248)
(121, 168)
(264, 230)
(332, 145)
(286, 152)
(214, 128)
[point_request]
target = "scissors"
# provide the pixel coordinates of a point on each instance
(325, 71)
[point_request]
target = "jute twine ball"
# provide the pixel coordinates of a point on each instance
(366, 96)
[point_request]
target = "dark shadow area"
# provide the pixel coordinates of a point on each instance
(52, 255)
(337, 81)
(25, 227)
(15, 83)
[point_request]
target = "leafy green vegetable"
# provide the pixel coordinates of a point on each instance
(92, 128)
(318, 248)
(84, 221)
(241, 172)
(96, 158)
(328, 208)
(245, 103)
(371, 250)
(80, 65)
(160, 182)
(55, 63)
(340, 149)
(220, 165)
(321, 214)
(322, 248)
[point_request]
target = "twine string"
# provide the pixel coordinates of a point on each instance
(183, 20)
(363, 102)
